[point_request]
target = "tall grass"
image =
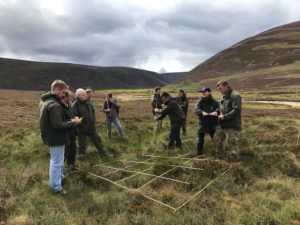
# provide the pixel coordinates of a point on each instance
(263, 189)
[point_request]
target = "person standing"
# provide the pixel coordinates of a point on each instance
(89, 100)
(176, 115)
(111, 108)
(229, 120)
(207, 111)
(84, 109)
(157, 106)
(183, 101)
(70, 148)
(53, 127)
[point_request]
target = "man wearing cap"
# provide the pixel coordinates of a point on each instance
(111, 109)
(229, 120)
(176, 115)
(207, 111)
(183, 101)
(157, 106)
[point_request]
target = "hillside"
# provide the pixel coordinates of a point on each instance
(173, 76)
(269, 60)
(28, 75)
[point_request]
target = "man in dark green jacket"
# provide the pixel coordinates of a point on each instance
(83, 108)
(53, 129)
(229, 120)
(157, 103)
(176, 115)
(207, 111)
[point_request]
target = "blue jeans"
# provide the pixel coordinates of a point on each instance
(56, 171)
(115, 120)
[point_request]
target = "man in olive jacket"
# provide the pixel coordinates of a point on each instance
(176, 115)
(83, 108)
(229, 120)
(53, 129)
(157, 103)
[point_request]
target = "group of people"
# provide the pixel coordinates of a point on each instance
(220, 119)
(64, 117)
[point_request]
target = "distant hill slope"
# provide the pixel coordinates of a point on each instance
(173, 76)
(28, 75)
(269, 60)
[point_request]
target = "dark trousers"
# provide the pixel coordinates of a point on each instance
(201, 135)
(184, 126)
(175, 134)
(96, 139)
(70, 151)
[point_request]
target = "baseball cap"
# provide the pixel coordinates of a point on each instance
(205, 89)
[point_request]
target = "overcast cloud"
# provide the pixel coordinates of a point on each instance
(166, 35)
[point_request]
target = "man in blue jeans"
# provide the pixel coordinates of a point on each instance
(54, 127)
(111, 109)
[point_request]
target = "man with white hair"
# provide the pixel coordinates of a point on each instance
(81, 108)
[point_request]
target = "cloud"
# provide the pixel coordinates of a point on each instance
(174, 35)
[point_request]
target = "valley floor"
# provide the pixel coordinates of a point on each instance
(263, 189)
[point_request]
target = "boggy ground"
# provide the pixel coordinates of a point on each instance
(263, 189)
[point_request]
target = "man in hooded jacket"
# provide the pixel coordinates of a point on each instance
(53, 127)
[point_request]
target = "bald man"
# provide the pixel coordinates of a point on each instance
(81, 108)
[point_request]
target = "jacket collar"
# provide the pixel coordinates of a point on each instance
(228, 93)
(81, 101)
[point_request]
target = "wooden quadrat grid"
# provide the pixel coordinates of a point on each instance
(145, 172)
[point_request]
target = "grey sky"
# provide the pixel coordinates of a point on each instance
(169, 35)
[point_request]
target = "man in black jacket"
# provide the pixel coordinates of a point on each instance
(183, 101)
(53, 129)
(84, 109)
(207, 111)
(176, 115)
(70, 148)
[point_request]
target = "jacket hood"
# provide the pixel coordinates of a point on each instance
(171, 100)
(49, 95)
